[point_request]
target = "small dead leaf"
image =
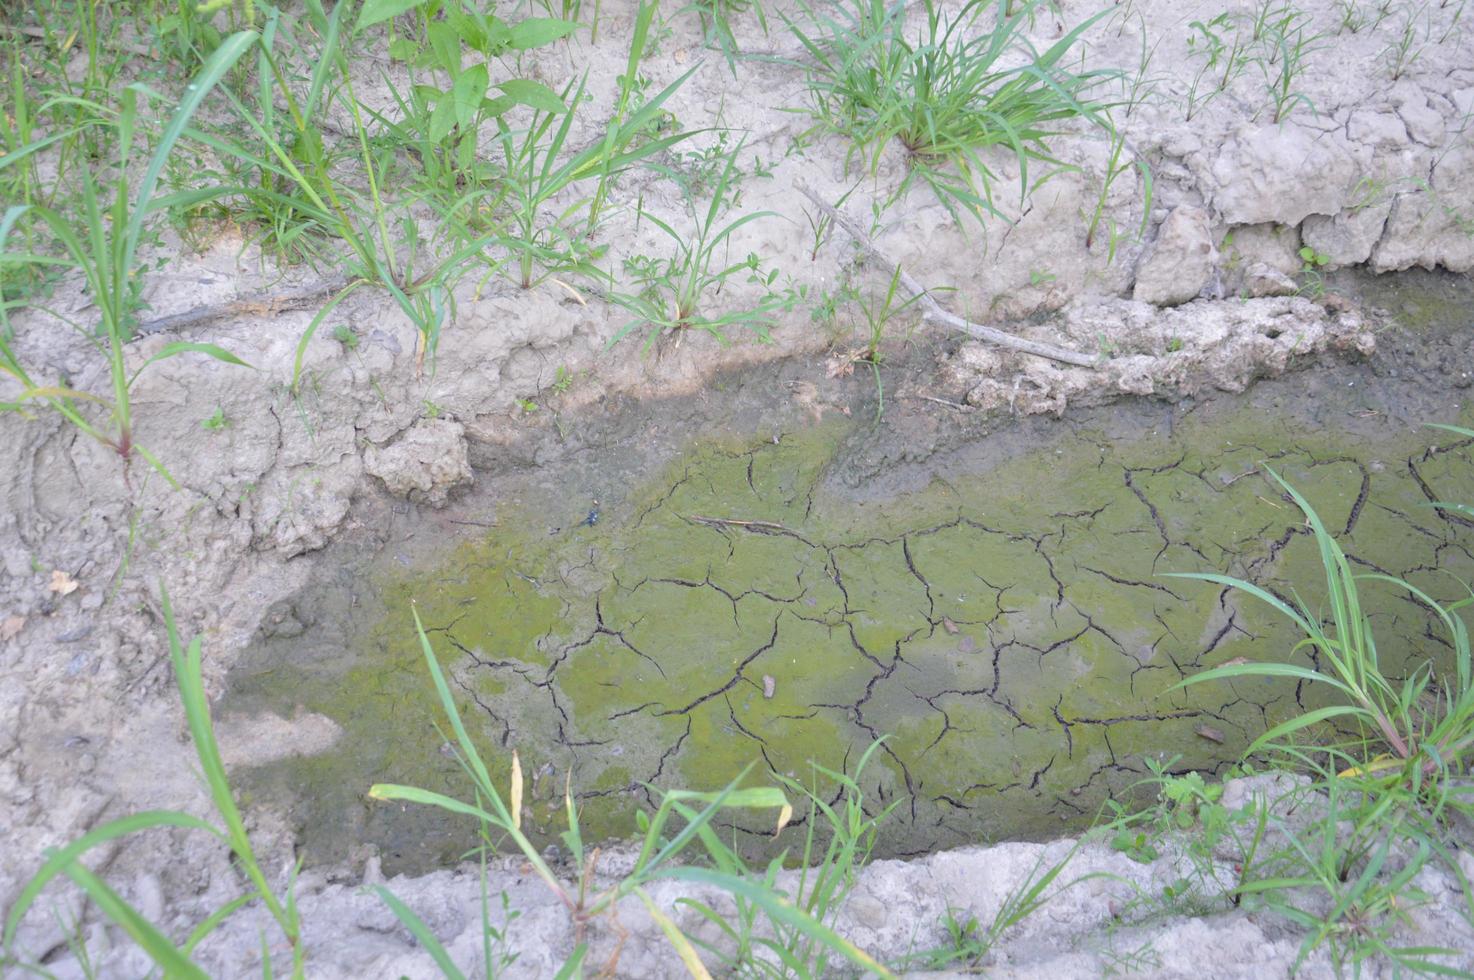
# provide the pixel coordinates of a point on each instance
(1234, 662)
(770, 686)
(1210, 733)
(62, 583)
(949, 626)
(516, 791)
(11, 627)
(784, 815)
(839, 367)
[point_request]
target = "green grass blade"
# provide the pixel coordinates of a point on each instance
(781, 910)
(573, 966)
(189, 676)
(212, 922)
(153, 942)
(413, 794)
(463, 738)
(157, 464)
(219, 62)
(317, 320)
(58, 860)
(1252, 589)
(1231, 671)
(1301, 722)
(421, 932)
(186, 347)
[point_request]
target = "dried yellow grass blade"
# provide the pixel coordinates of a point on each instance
(516, 791)
(689, 958)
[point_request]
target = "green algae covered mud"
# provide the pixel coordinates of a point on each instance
(1007, 626)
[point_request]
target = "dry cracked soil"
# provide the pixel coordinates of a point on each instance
(647, 568)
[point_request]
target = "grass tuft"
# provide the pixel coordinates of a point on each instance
(954, 88)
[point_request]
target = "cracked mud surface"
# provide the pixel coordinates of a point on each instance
(1007, 625)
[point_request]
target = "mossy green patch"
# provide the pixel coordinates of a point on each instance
(1012, 633)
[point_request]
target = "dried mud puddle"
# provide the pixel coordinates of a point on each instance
(1011, 632)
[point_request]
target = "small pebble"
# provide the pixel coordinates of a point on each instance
(770, 686)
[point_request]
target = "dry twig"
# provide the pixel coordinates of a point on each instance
(728, 522)
(932, 310)
(260, 304)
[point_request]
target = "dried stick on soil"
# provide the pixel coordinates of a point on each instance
(143, 51)
(932, 310)
(260, 304)
(728, 522)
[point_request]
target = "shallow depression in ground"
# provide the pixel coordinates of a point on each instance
(1006, 620)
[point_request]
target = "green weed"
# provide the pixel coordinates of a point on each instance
(672, 292)
(632, 98)
(101, 241)
(1140, 86)
(442, 116)
(1284, 35)
(1407, 46)
(346, 336)
(947, 95)
(1333, 878)
(682, 819)
(780, 947)
(878, 313)
(293, 157)
(1389, 771)
(1312, 274)
(1188, 818)
(1424, 729)
(1353, 18)
(970, 942)
(1220, 57)
(535, 174)
(716, 24)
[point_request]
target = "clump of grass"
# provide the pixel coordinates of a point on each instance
(825, 878)
(673, 291)
(535, 172)
(1406, 48)
(970, 941)
(878, 312)
(443, 111)
(947, 94)
(716, 24)
(1221, 57)
(1343, 874)
(298, 172)
(1287, 45)
(1424, 729)
(1115, 167)
(1392, 768)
